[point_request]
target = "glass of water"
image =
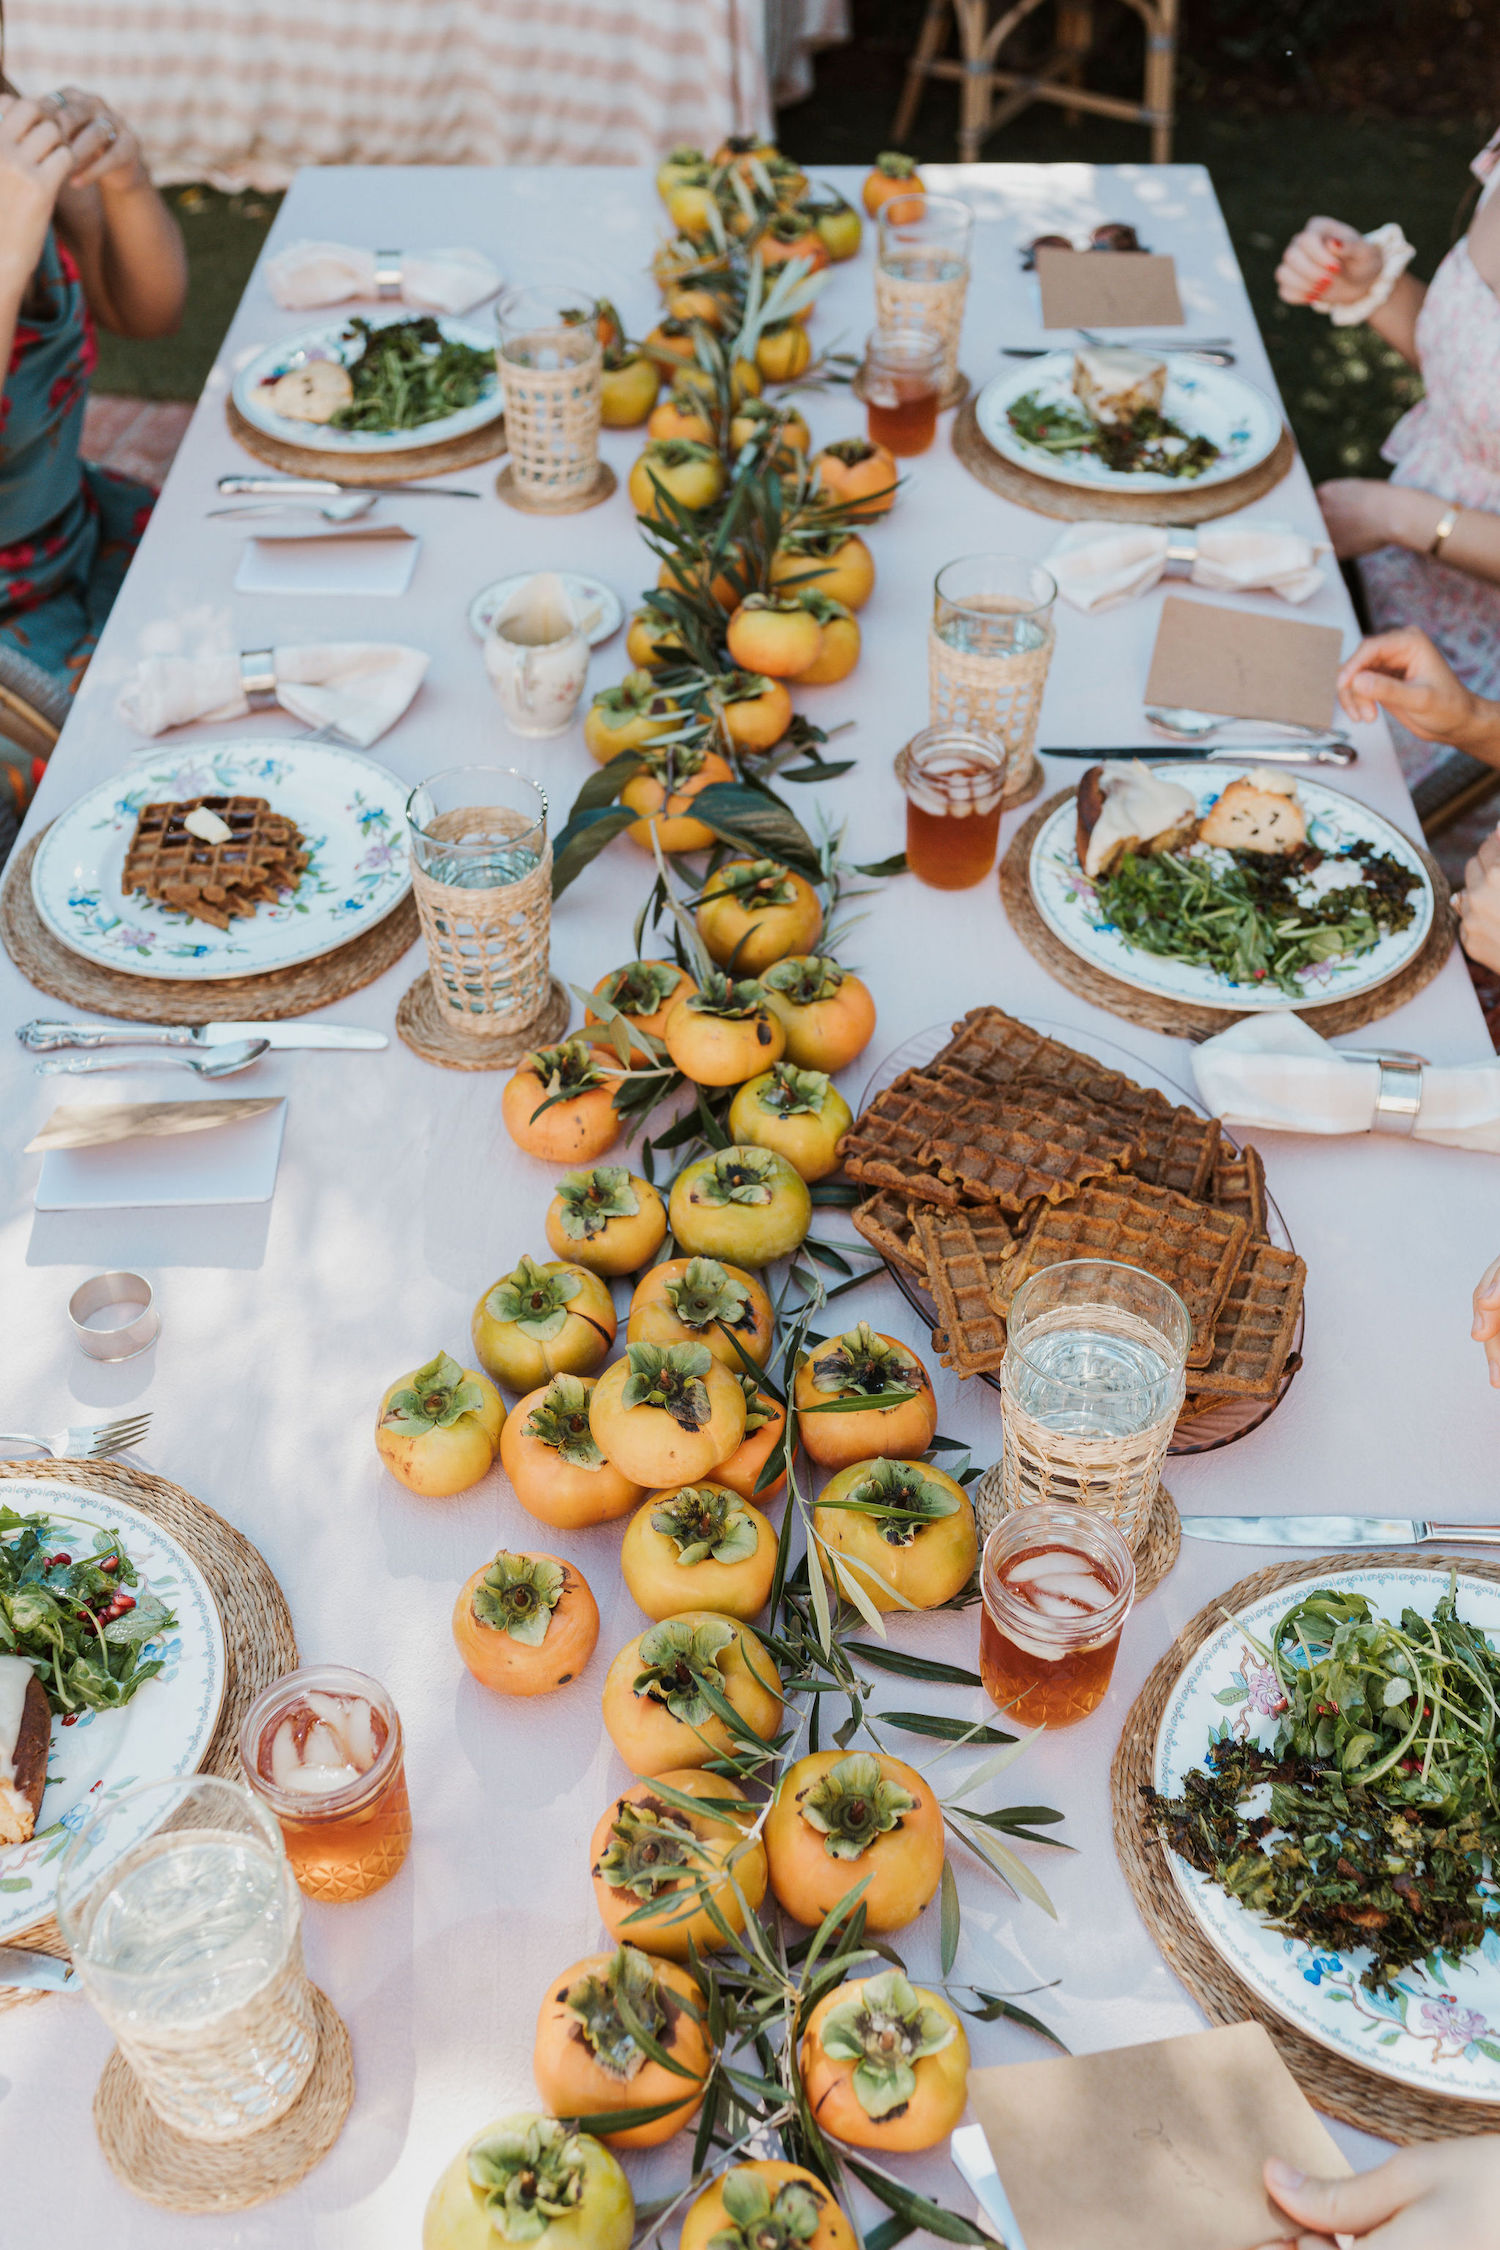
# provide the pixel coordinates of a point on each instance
(1090, 1388)
(481, 877)
(989, 651)
(185, 1927)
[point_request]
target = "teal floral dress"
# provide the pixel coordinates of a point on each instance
(67, 529)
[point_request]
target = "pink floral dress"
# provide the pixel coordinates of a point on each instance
(1448, 445)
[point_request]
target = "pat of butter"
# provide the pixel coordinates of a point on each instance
(207, 825)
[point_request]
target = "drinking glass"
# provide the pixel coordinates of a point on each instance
(954, 784)
(1056, 1586)
(989, 650)
(481, 874)
(184, 1925)
(902, 385)
(922, 270)
(551, 367)
(1090, 1387)
(322, 1748)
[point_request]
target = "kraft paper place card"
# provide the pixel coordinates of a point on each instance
(1240, 665)
(1158, 2147)
(368, 559)
(1108, 289)
(165, 1165)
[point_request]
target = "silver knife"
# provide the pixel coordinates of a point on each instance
(1217, 754)
(41, 1036)
(21, 1970)
(333, 485)
(1339, 1531)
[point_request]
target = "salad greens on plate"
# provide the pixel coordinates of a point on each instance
(80, 1619)
(408, 372)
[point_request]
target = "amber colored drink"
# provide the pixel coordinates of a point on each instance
(948, 851)
(955, 785)
(323, 1749)
(1056, 1596)
(908, 423)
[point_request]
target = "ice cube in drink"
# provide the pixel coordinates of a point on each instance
(323, 1748)
(1054, 1607)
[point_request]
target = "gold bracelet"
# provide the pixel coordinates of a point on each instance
(1447, 525)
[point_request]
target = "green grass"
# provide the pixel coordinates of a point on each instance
(223, 234)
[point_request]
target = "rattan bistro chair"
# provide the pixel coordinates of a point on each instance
(32, 710)
(1059, 78)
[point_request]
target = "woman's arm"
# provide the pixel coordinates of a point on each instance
(127, 243)
(1363, 513)
(1330, 263)
(1403, 673)
(35, 160)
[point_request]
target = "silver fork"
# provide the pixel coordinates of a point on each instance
(85, 1441)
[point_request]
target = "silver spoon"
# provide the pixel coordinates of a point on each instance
(1186, 725)
(342, 510)
(223, 1063)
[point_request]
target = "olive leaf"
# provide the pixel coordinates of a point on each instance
(754, 821)
(584, 838)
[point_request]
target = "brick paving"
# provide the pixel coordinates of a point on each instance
(138, 438)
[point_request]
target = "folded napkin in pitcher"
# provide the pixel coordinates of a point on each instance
(328, 273)
(360, 687)
(1277, 1073)
(1097, 564)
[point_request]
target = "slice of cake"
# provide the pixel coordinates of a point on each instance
(1127, 808)
(1258, 813)
(1115, 384)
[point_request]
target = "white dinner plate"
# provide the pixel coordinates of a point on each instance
(1205, 401)
(352, 814)
(583, 593)
(166, 1727)
(1440, 2028)
(1068, 904)
(251, 388)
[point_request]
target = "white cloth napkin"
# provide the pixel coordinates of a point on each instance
(1276, 1072)
(326, 273)
(1098, 564)
(360, 687)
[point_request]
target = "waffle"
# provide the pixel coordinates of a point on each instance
(885, 1148)
(263, 858)
(963, 1253)
(885, 1222)
(1254, 1330)
(993, 1046)
(1239, 1184)
(1194, 1248)
(1022, 1156)
(1179, 1148)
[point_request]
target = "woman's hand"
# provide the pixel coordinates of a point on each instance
(1327, 263)
(1486, 1328)
(35, 162)
(1363, 513)
(1401, 672)
(1439, 2195)
(1478, 905)
(106, 153)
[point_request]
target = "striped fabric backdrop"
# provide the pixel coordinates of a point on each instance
(242, 92)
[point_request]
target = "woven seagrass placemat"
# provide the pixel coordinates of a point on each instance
(1079, 504)
(48, 964)
(485, 444)
(1159, 1550)
(259, 1644)
(1341, 2087)
(1185, 1019)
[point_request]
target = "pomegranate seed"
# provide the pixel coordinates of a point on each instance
(55, 1562)
(70, 1718)
(121, 1603)
(110, 1562)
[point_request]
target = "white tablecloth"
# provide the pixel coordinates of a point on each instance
(243, 93)
(401, 1198)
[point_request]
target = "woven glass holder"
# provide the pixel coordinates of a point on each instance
(994, 695)
(902, 302)
(552, 419)
(487, 950)
(189, 2078)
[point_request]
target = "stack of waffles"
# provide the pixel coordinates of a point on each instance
(262, 859)
(1011, 1152)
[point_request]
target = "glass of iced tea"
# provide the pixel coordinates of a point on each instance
(1057, 1585)
(954, 785)
(322, 1748)
(902, 383)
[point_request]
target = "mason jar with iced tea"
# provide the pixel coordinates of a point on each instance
(1056, 1586)
(902, 383)
(955, 784)
(322, 1749)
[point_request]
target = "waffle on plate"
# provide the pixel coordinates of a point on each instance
(260, 861)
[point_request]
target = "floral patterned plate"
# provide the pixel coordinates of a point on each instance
(166, 1727)
(251, 389)
(1205, 401)
(352, 814)
(1067, 903)
(1440, 2028)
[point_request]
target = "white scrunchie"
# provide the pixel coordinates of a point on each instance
(1396, 254)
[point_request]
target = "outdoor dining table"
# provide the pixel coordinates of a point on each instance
(401, 1198)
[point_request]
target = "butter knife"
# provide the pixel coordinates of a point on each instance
(41, 1036)
(1217, 754)
(1339, 1531)
(21, 1970)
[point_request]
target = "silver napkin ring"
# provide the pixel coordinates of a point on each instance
(258, 673)
(1182, 544)
(387, 273)
(132, 1337)
(1399, 1099)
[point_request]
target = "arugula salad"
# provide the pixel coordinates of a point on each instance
(76, 1609)
(1148, 442)
(408, 373)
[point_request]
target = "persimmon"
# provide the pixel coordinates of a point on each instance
(525, 1624)
(744, 380)
(836, 563)
(652, 641)
(674, 340)
(700, 1301)
(679, 164)
(722, 1031)
(841, 1818)
(560, 1106)
(646, 992)
(743, 151)
(699, 1547)
(903, 1531)
(652, 1857)
(826, 1012)
(758, 418)
(587, 2060)
(783, 350)
(885, 2064)
(840, 229)
(765, 2202)
(790, 236)
(543, 1320)
(694, 301)
(756, 711)
(678, 576)
(772, 634)
(529, 2177)
(667, 1414)
(682, 414)
(754, 912)
(439, 1428)
(893, 175)
(838, 640)
(627, 716)
(796, 1112)
(655, 1710)
(607, 1219)
(860, 475)
(863, 1364)
(627, 387)
(556, 1470)
(765, 1426)
(746, 1205)
(674, 774)
(689, 473)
